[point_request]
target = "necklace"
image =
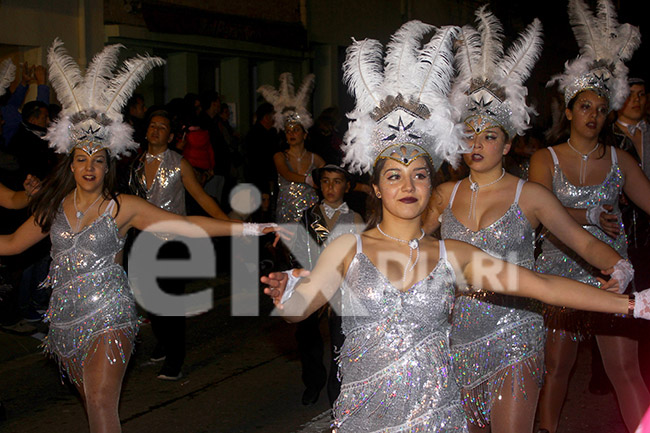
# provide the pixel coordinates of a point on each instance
(584, 158)
(475, 187)
(413, 244)
(299, 158)
(79, 214)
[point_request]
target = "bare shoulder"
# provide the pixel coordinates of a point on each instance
(541, 156)
(625, 159)
(441, 194)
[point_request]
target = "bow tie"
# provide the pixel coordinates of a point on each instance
(330, 211)
(151, 158)
(640, 126)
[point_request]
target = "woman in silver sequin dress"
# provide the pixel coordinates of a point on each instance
(582, 184)
(294, 165)
(92, 313)
(498, 341)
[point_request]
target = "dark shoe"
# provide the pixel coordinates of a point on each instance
(310, 396)
(32, 316)
(21, 327)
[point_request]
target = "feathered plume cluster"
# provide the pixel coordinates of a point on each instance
(290, 107)
(7, 75)
(91, 104)
(489, 88)
(402, 108)
(604, 46)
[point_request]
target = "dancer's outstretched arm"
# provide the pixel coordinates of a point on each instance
(477, 269)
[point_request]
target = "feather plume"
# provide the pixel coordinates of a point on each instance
(606, 19)
(7, 75)
(491, 40)
(363, 72)
(584, 28)
(434, 69)
(628, 40)
(401, 54)
(522, 55)
(122, 86)
(65, 77)
(286, 88)
(270, 94)
(98, 76)
(305, 89)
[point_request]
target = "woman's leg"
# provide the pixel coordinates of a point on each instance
(621, 359)
(513, 411)
(561, 352)
(102, 384)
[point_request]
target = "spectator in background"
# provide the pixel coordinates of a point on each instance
(10, 110)
(324, 139)
(261, 143)
(134, 114)
(28, 145)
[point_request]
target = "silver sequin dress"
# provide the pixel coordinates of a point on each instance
(294, 197)
(395, 364)
(495, 335)
(557, 259)
(91, 298)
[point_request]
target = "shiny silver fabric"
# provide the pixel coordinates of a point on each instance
(91, 299)
(495, 335)
(167, 190)
(294, 197)
(395, 363)
(557, 259)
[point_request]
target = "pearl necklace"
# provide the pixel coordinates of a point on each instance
(79, 214)
(413, 244)
(475, 187)
(584, 158)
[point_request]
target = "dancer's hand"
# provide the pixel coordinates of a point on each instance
(610, 285)
(31, 184)
(622, 272)
(608, 222)
(277, 283)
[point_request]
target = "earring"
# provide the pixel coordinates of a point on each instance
(378, 195)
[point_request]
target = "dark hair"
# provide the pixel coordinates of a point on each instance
(263, 109)
(374, 210)
(60, 183)
(132, 102)
(207, 98)
(32, 109)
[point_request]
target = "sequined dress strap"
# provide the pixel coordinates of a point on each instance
(453, 194)
(554, 156)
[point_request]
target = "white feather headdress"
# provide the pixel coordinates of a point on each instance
(7, 75)
(489, 90)
(290, 107)
(91, 116)
(402, 110)
(604, 46)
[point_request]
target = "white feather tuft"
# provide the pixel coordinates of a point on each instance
(124, 84)
(491, 40)
(585, 29)
(98, 77)
(402, 55)
(65, 77)
(363, 72)
(7, 75)
(435, 66)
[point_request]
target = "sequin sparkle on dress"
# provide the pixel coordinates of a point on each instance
(495, 335)
(91, 298)
(395, 364)
(294, 197)
(557, 259)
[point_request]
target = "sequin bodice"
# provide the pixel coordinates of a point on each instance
(395, 364)
(294, 197)
(91, 298)
(92, 249)
(557, 258)
(167, 190)
(493, 334)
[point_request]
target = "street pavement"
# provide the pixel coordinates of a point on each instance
(242, 374)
